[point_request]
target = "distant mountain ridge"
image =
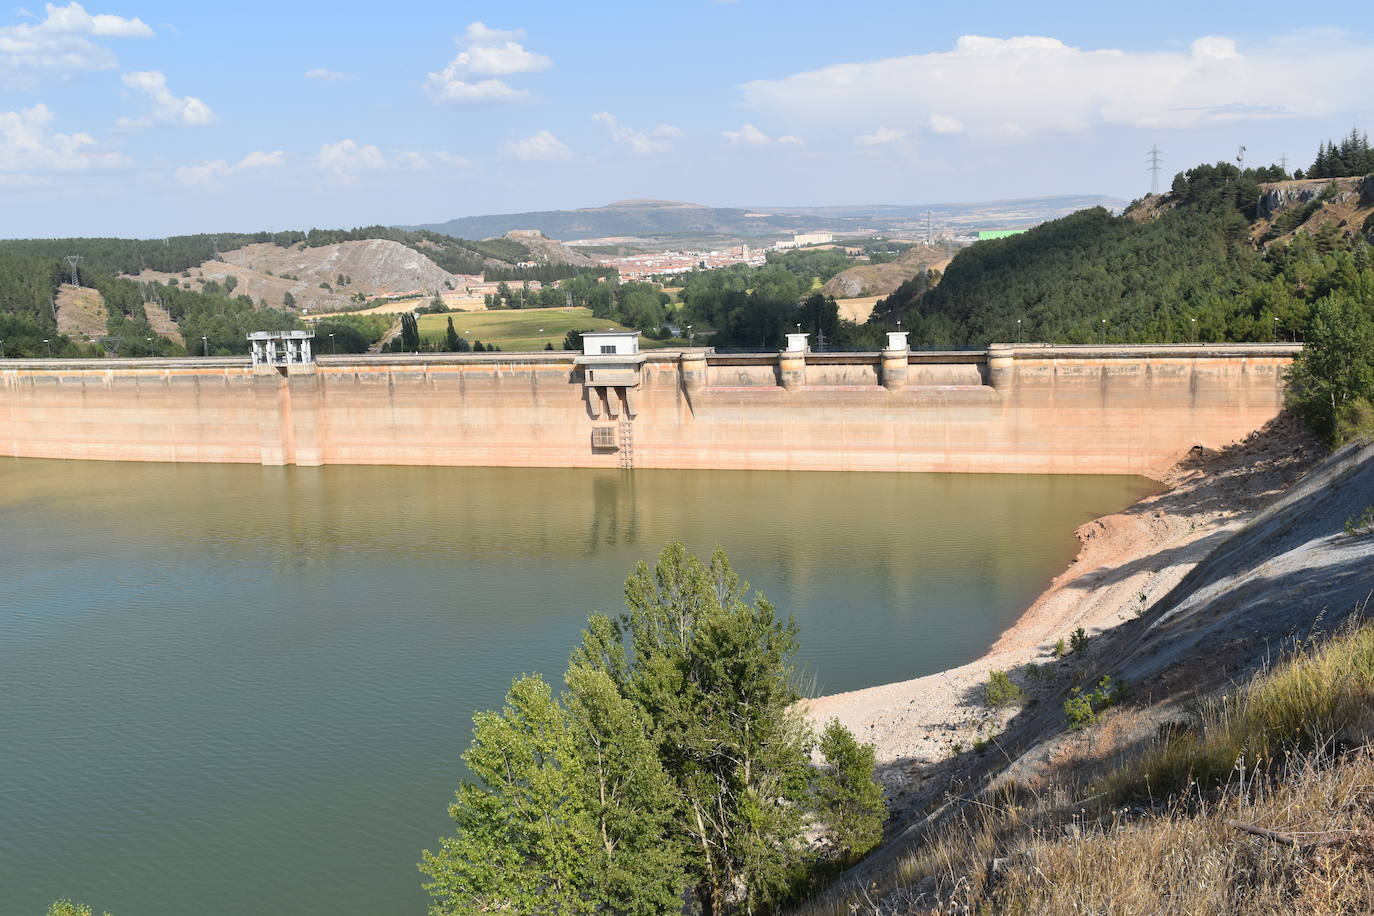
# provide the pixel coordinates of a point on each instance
(659, 218)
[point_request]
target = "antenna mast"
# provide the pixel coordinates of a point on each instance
(1155, 158)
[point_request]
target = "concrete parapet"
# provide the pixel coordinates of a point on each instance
(895, 359)
(792, 369)
(692, 366)
(1001, 366)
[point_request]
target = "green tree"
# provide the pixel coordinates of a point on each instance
(410, 333)
(568, 811)
(288, 301)
(65, 907)
(675, 759)
(848, 800)
(714, 674)
(452, 341)
(1333, 378)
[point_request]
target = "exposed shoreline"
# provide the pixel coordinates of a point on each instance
(1126, 562)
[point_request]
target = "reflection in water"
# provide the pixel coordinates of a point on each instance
(238, 689)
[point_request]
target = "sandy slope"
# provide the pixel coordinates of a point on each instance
(1146, 550)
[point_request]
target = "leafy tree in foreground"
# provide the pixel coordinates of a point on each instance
(676, 759)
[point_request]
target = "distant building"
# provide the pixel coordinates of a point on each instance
(804, 239)
(985, 234)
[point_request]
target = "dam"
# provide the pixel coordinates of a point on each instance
(1008, 408)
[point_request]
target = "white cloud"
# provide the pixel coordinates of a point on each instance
(61, 44)
(210, 173)
(944, 124)
(323, 75)
(344, 162)
(639, 142)
(167, 108)
(486, 53)
(74, 18)
(881, 137)
(541, 147)
(1016, 87)
(27, 145)
(750, 136)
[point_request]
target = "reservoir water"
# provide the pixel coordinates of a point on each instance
(236, 689)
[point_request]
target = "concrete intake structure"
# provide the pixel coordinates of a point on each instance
(1010, 408)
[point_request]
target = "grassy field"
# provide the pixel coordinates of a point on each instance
(519, 329)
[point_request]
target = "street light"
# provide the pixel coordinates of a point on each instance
(49, 343)
(1194, 327)
(689, 335)
(332, 351)
(2, 348)
(206, 341)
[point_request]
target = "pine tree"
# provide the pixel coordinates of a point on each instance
(568, 811)
(714, 674)
(848, 801)
(676, 759)
(452, 342)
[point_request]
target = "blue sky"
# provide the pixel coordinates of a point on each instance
(135, 117)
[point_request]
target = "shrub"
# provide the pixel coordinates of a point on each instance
(1000, 691)
(1082, 709)
(1078, 642)
(1361, 524)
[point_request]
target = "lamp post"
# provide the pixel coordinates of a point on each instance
(49, 343)
(1018, 330)
(2, 348)
(332, 350)
(1104, 330)
(149, 341)
(206, 341)
(1194, 327)
(689, 335)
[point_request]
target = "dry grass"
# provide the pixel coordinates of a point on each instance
(1288, 752)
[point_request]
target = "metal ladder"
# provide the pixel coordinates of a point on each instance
(627, 445)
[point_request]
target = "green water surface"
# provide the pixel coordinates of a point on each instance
(244, 690)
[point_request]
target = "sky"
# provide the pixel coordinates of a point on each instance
(148, 118)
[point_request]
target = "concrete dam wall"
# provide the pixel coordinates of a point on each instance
(1009, 409)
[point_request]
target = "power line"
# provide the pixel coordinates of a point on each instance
(1156, 157)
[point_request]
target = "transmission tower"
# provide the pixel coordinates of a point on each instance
(73, 260)
(1156, 157)
(930, 234)
(1240, 157)
(1283, 163)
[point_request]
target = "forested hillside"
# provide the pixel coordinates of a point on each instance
(1190, 271)
(180, 252)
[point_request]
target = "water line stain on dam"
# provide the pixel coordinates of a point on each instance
(234, 688)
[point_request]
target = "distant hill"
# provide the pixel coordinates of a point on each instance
(667, 218)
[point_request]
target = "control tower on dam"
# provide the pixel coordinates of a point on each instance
(1024, 408)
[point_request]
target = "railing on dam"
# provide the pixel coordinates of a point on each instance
(711, 354)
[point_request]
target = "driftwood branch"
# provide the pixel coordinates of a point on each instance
(1299, 841)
